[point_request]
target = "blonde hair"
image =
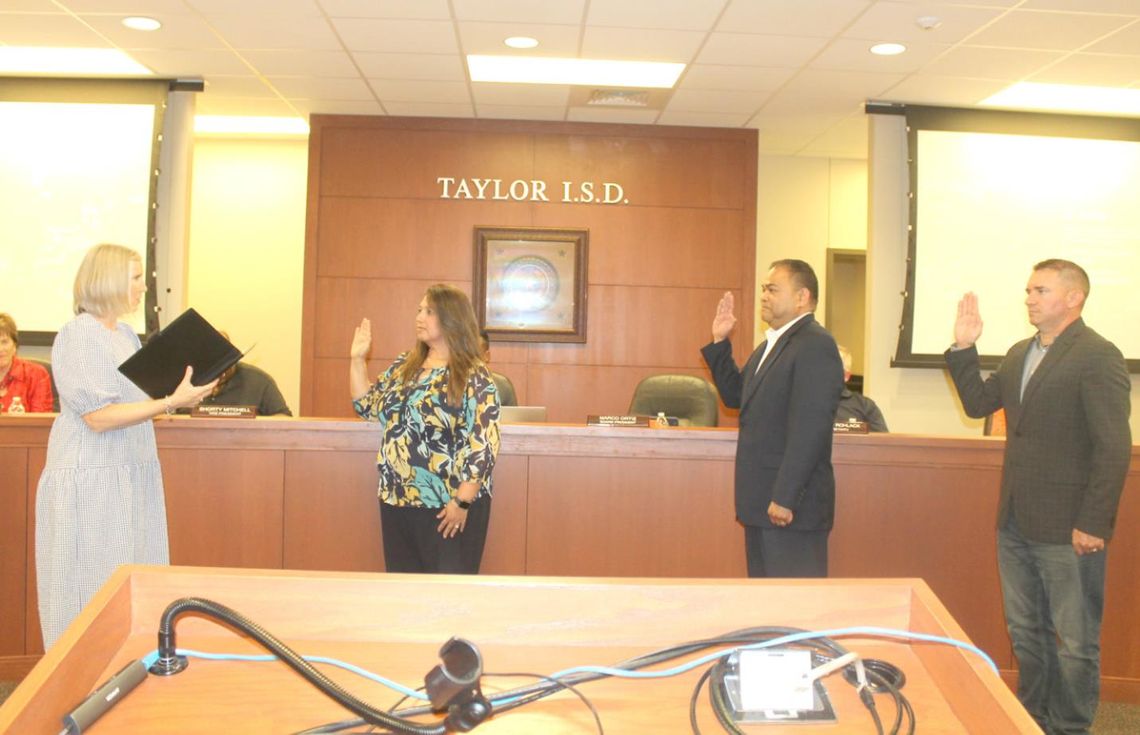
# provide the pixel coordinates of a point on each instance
(457, 321)
(102, 285)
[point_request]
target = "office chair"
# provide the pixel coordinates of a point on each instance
(506, 390)
(691, 399)
(51, 376)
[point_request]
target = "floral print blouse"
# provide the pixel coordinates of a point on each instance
(430, 447)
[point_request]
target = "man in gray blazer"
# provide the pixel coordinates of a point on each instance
(1065, 392)
(787, 394)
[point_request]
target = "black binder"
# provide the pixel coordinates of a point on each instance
(188, 340)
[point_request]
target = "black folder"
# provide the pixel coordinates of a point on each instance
(159, 366)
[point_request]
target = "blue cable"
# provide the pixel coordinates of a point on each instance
(873, 631)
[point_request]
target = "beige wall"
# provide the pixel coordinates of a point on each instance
(247, 248)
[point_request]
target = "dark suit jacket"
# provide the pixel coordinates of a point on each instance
(787, 411)
(1068, 443)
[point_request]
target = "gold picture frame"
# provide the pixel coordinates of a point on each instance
(530, 283)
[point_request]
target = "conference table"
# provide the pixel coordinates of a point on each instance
(571, 501)
(394, 625)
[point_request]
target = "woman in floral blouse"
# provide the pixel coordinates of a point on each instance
(439, 416)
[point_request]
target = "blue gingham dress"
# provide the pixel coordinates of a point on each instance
(100, 500)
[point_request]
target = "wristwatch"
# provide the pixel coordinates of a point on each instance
(464, 504)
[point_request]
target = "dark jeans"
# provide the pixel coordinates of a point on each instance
(412, 543)
(778, 552)
(1054, 601)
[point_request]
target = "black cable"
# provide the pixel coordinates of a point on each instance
(169, 661)
(561, 685)
(693, 700)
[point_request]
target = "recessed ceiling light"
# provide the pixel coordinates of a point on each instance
(238, 125)
(1067, 97)
(81, 61)
(521, 42)
(549, 70)
(141, 23)
(888, 49)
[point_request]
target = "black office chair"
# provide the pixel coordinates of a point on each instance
(506, 390)
(691, 399)
(51, 375)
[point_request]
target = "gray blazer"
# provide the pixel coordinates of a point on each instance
(1068, 442)
(787, 413)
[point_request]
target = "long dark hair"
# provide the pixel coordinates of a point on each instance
(457, 320)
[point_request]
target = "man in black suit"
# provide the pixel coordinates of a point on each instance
(787, 395)
(1066, 395)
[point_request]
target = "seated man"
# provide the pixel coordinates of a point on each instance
(246, 385)
(854, 405)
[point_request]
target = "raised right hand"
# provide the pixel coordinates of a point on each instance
(361, 340)
(724, 320)
(968, 325)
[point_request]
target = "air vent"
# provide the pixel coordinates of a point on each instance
(618, 98)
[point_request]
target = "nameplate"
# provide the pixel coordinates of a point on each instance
(851, 426)
(614, 420)
(224, 412)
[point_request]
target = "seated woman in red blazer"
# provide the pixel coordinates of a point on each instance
(27, 380)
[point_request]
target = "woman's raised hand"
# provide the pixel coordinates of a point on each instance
(361, 340)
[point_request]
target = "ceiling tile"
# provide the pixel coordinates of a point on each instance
(696, 100)
(519, 112)
(688, 15)
(1124, 41)
(1046, 30)
(702, 119)
(855, 55)
(933, 89)
(274, 32)
(733, 78)
(480, 37)
(429, 109)
(297, 63)
(196, 63)
(982, 62)
(839, 85)
(619, 115)
(398, 36)
(1098, 70)
(647, 45)
(442, 67)
(1123, 7)
(18, 29)
(537, 95)
(790, 17)
(420, 91)
(755, 50)
(294, 8)
(845, 139)
(408, 9)
(322, 89)
(895, 21)
(239, 86)
(521, 11)
(149, 8)
(337, 107)
(30, 6)
(177, 32)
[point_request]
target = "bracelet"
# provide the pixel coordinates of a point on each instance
(169, 406)
(463, 504)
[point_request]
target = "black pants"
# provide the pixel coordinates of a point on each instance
(412, 543)
(778, 552)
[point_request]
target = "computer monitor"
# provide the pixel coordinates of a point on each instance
(522, 414)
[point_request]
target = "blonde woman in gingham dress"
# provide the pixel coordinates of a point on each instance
(100, 498)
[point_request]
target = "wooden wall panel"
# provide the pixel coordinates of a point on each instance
(14, 494)
(359, 158)
(690, 171)
(33, 639)
(345, 534)
(505, 552)
(671, 246)
(223, 506)
(378, 234)
(612, 517)
(1123, 657)
(410, 238)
